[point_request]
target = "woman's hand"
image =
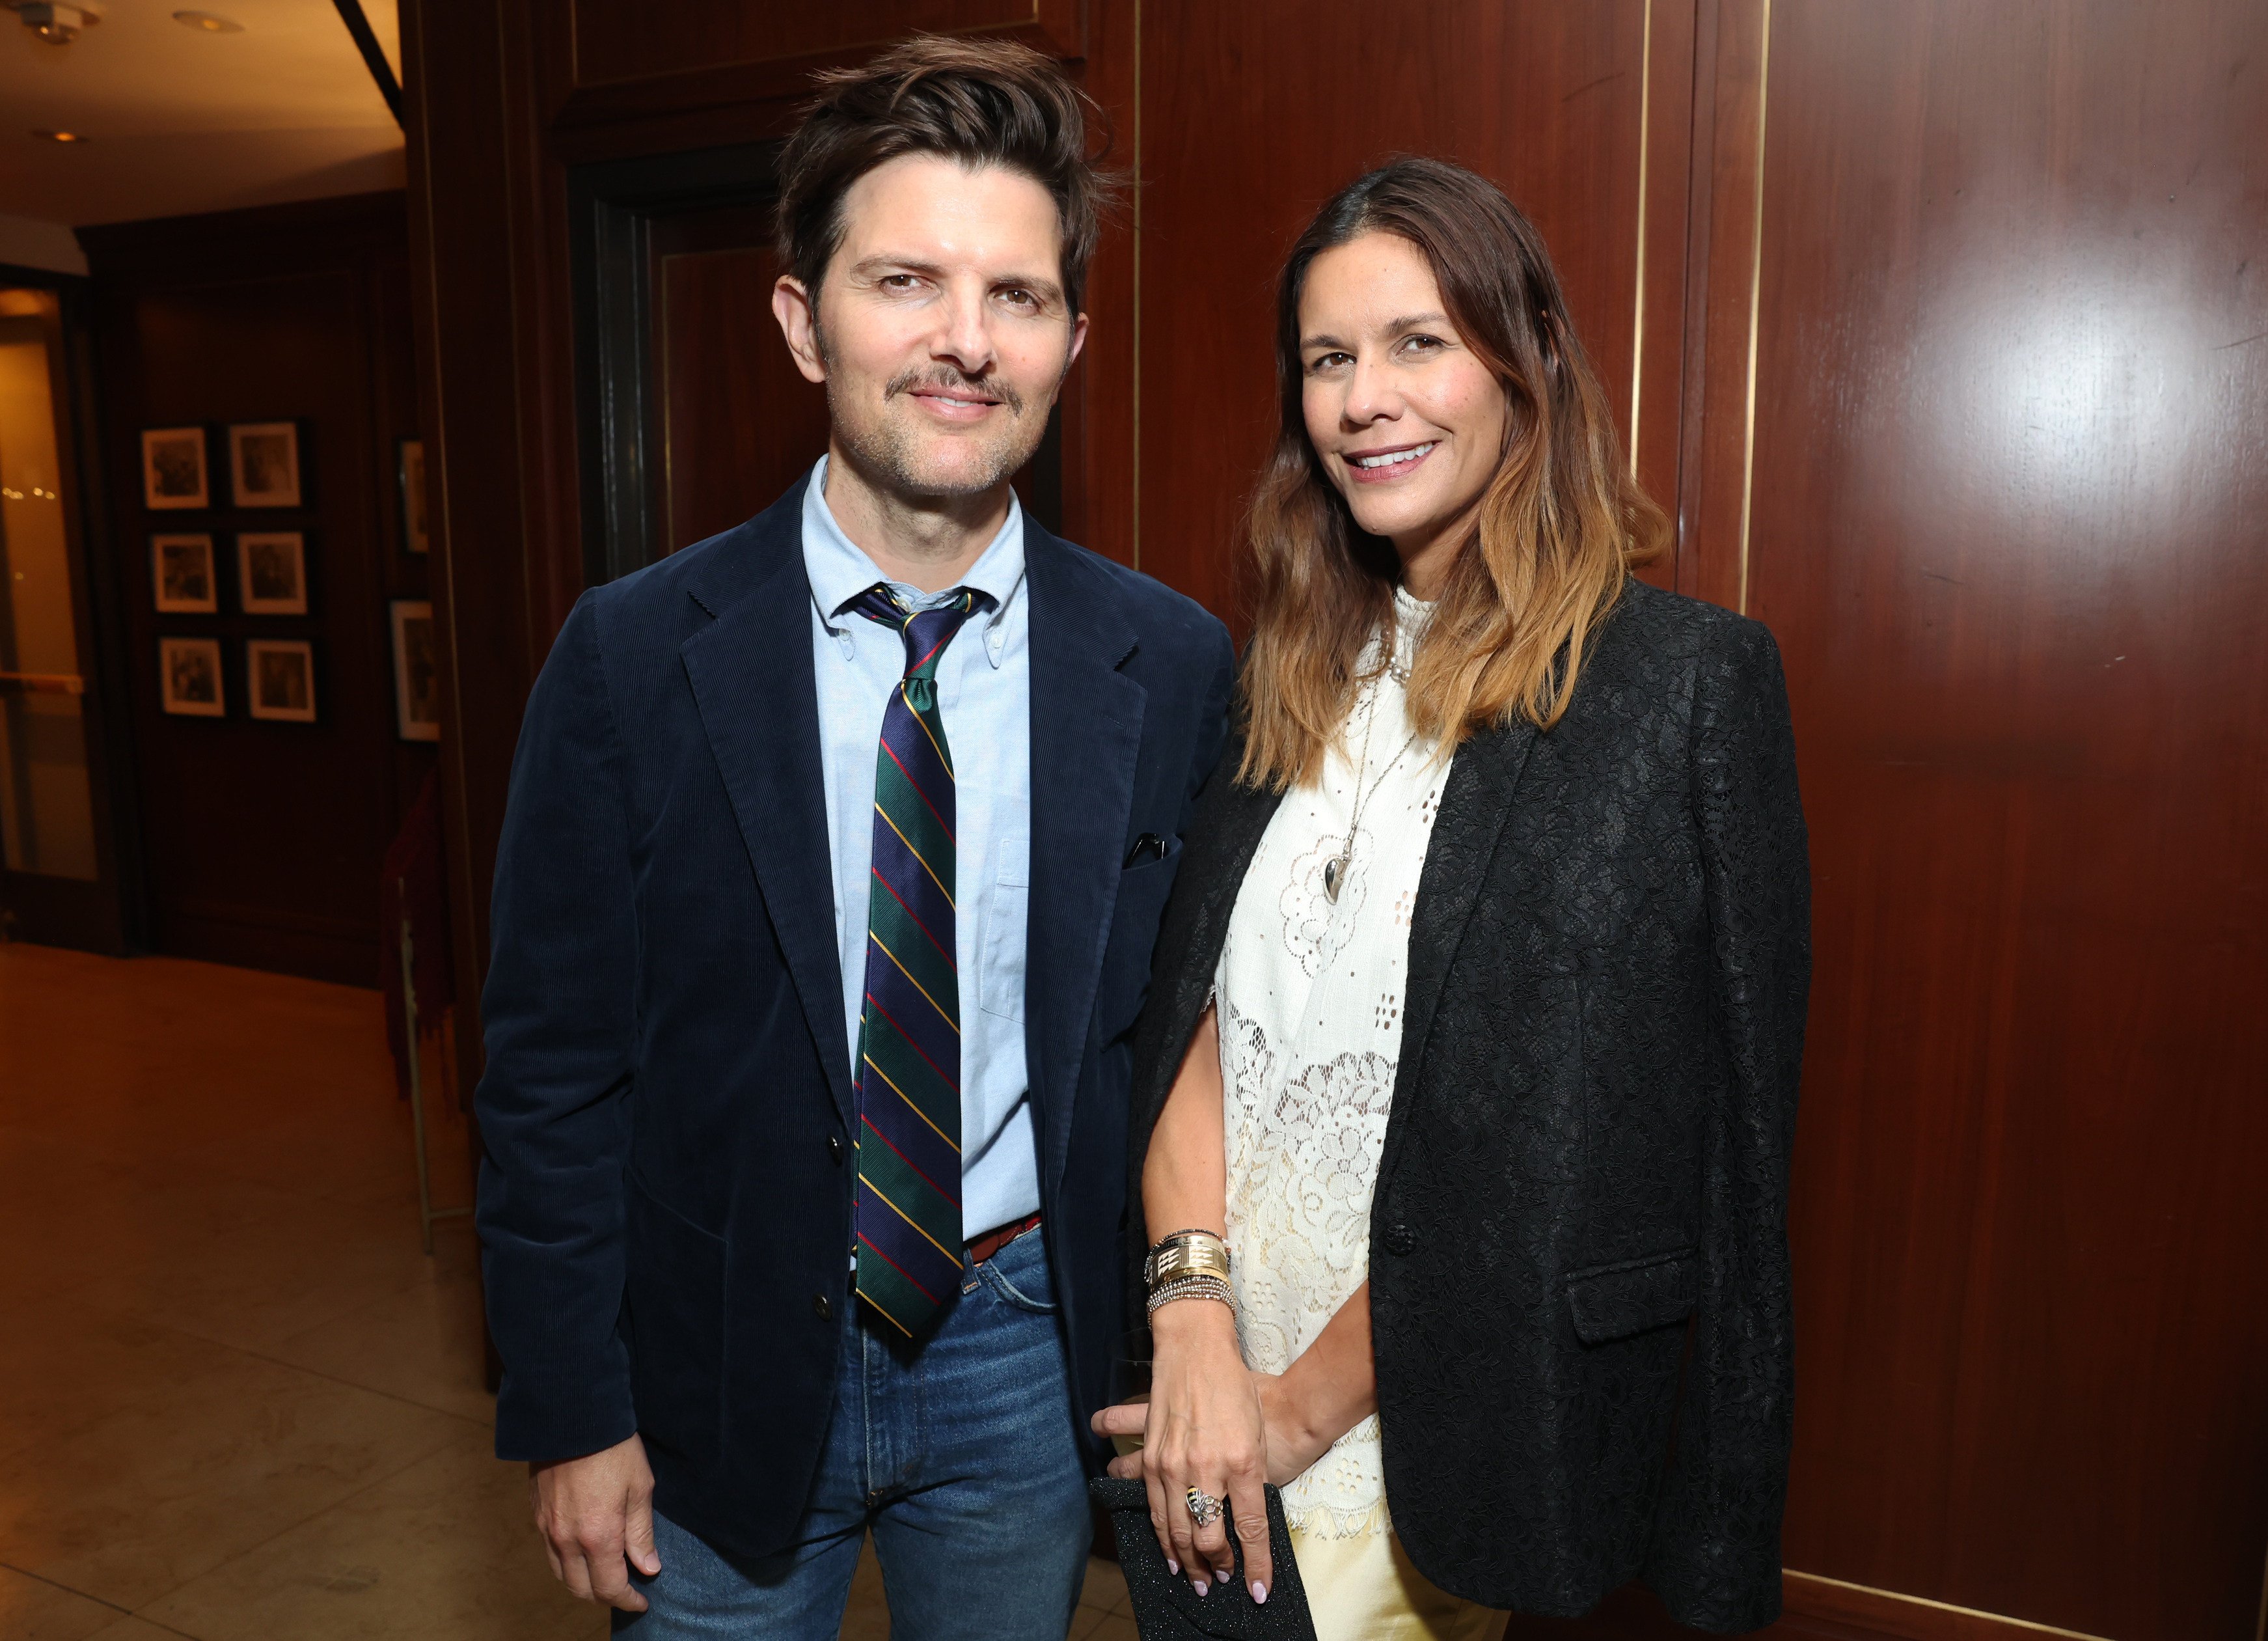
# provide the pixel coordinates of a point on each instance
(1202, 1427)
(1293, 1445)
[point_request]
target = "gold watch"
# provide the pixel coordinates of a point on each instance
(1186, 1253)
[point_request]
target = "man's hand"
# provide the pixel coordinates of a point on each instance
(596, 1517)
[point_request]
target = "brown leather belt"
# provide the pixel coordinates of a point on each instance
(992, 1241)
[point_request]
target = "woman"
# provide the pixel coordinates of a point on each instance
(1469, 1066)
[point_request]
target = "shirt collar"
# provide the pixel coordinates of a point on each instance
(839, 569)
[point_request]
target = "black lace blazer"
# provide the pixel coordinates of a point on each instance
(1586, 1165)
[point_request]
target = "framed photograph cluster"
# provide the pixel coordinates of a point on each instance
(264, 471)
(190, 575)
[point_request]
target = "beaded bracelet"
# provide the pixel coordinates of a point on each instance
(1192, 1288)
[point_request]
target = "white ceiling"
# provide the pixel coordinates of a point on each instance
(180, 119)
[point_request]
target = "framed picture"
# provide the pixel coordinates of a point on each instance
(264, 462)
(181, 575)
(271, 573)
(413, 495)
(280, 674)
(188, 678)
(416, 690)
(174, 469)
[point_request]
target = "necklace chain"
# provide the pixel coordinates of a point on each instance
(1335, 870)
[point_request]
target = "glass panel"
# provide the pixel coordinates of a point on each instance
(47, 808)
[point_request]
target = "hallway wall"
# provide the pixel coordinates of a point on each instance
(262, 838)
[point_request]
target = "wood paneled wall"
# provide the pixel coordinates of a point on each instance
(2010, 347)
(263, 841)
(1548, 100)
(1939, 328)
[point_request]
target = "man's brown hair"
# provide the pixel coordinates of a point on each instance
(978, 101)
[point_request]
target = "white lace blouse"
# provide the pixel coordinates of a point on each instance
(1309, 1000)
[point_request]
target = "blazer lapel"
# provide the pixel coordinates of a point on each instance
(1086, 734)
(1476, 805)
(751, 672)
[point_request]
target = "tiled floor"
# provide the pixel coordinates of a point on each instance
(237, 1403)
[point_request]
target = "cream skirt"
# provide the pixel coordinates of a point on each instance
(1363, 1588)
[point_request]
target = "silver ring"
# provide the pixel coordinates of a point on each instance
(1204, 1508)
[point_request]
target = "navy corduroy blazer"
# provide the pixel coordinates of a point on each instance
(665, 1204)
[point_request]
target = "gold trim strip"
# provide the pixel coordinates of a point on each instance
(1903, 1599)
(1135, 511)
(1637, 320)
(1756, 302)
(2260, 1633)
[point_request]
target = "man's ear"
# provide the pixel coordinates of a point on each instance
(799, 322)
(1077, 341)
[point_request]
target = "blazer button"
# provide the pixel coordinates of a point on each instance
(1401, 1240)
(820, 1308)
(834, 1146)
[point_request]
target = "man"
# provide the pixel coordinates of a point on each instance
(836, 851)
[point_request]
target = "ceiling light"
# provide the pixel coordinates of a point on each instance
(62, 136)
(208, 22)
(53, 22)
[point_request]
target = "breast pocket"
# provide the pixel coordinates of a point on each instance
(1007, 916)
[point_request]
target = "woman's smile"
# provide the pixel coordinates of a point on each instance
(1384, 466)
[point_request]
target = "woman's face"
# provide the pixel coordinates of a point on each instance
(1407, 421)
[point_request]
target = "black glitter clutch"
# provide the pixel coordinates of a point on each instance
(1166, 1608)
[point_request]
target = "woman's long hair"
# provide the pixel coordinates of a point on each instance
(1553, 536)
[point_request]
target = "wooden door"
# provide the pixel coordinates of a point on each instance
(694, 415)
(738, 424)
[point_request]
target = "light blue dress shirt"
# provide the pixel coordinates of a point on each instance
(984, 697)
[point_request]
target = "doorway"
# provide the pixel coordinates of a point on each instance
(692, 416)
(58, 879)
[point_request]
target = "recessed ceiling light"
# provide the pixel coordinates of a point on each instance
(208, 22)
(62, 136)
(54, 21)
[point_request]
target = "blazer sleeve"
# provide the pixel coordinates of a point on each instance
(1715, 1560)
(553, 1102)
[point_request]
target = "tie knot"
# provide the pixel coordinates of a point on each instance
(925, 631)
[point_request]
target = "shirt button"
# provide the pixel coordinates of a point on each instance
(820, 1308)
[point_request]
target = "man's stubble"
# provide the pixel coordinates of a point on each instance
(885, 449)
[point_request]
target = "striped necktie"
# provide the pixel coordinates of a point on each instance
(909, 1206)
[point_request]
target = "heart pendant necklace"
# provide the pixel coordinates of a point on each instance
(1335, 868)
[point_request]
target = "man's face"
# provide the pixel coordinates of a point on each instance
(941, 328)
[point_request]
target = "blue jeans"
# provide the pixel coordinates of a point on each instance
(963, 1459)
